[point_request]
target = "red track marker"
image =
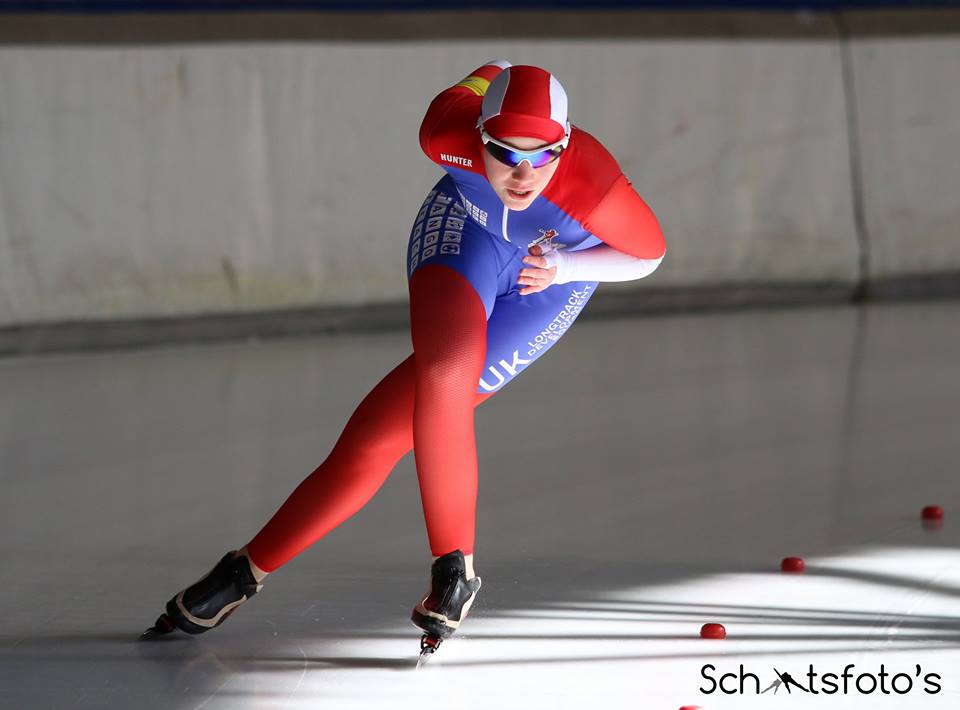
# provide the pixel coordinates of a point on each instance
(792, 564)
(933, 512)
(713, 631)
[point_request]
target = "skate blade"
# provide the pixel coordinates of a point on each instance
(161, 627)
(428, 646)
(425, 656)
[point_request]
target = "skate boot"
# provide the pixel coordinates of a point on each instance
(446, 603)
(208, 602)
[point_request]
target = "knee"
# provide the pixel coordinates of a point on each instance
(376, 433)
(370, 442)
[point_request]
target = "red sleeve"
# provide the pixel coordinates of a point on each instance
(450, 126)
(590, 186)
(624, 221)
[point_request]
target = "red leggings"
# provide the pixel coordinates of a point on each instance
(426, 403)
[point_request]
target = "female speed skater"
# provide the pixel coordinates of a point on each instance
(505, 252)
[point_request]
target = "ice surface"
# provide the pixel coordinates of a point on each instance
(645, 477)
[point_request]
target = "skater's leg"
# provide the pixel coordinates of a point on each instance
(454, 267)
(467, 319)
(381, 430)
(519, 330)
(377, 436)
(448, 326)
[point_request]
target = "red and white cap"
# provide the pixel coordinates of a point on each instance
(525, 101)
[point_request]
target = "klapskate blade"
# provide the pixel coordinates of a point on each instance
(424, 657)
(428, 647)
(162, 627)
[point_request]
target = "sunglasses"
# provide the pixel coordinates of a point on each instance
(508, 155)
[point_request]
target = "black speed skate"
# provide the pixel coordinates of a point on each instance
(208, 602)
(446, 603)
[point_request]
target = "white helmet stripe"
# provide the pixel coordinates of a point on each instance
(558, 102)
(493, 99)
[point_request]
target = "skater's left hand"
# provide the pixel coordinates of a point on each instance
(538, 278)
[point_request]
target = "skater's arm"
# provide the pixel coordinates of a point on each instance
(623, 221)
(591, 187)
(479, 79)
(633, 244)
(599, 263)
(449, 125)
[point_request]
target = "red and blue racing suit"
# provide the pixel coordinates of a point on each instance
(472, 331)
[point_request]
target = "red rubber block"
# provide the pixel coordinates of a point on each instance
(933, 512)
(713, 631)
(792, 564)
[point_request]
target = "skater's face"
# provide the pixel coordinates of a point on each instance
(517, 187)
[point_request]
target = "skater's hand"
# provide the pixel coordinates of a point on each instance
(540, 276)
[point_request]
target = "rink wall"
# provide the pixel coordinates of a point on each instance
(908, 127)
(183, 165)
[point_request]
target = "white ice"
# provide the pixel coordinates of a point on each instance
(644, 478)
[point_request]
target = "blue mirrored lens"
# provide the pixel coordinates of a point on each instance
(513, 158)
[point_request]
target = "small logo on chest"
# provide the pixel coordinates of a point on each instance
(545, 240)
